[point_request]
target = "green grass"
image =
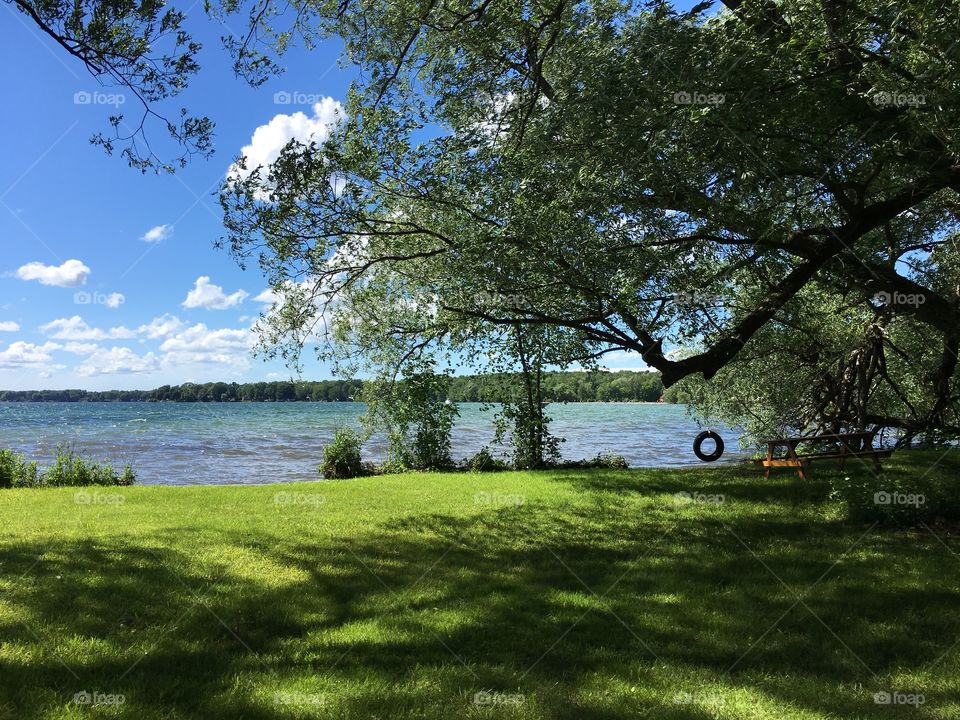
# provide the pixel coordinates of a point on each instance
(600, 595)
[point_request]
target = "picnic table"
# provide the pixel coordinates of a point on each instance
(842, 446)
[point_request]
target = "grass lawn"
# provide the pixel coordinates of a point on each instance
(567, 594)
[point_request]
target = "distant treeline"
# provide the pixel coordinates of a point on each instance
(557, 387)
(564, 387)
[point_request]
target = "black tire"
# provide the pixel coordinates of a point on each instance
(717, 451)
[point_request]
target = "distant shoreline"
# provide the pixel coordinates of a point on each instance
(294, 402)
(557, 386)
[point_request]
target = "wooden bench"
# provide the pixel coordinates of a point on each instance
(845, 445)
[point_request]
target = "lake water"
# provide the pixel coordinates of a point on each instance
(218, 443)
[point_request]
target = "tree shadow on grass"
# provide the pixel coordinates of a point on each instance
(577, 613)
(743, 481)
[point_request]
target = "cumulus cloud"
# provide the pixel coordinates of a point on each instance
(117, 360)
(272, 297)
(625, 361)
(9, 326)
(76, 328)
(268, 297)
(81, 348)
(268, 140)
(23, 354)
(157, 234)
(199, 344)
(161, 327)
(70, 274)
(212, 297)
(114, 300)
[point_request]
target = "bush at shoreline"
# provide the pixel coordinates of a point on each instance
(69, 469)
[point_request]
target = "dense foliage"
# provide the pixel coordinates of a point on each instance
(757, 198)
(762, 191)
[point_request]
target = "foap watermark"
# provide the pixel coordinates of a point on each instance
(111, 300)
(899, 99)
(85, 97)
(85, 697)
(96, 497)
(887, 697)
(893, 299)
(687, 498)
(295, 499)
(499, 499)
(489, 698)
(898, 498)
(683, 97)
(499, 300)
(296, 97)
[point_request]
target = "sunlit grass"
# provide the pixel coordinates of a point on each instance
(702, 593)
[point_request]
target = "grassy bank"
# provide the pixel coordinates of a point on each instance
(703, 593)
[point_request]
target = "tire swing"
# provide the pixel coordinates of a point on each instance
(717, 450)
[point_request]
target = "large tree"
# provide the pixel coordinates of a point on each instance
(692, 186)
(675, 184)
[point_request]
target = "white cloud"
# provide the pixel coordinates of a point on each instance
(624, 361)
(289, 289)
(70, 274)
(75, 328)
(199, 344)
(114, 300)
(9, 326)
(157, 234)
(81, 348)
(117, 360)
(268, 297)
(495, 122)
(21, 354)
(212, 297)
(161, 327)
(268, 140)
(638, 369)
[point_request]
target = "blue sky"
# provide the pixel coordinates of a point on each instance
(89, 296)
(109, 278)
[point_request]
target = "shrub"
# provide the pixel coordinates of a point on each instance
(71, 469)
(128, 477)
(416, 418)
(15, 471)
(430, 449)
(610, 460)
(605, 460)
(484, 461)
(341, 458)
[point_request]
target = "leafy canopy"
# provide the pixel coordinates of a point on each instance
(702, 188)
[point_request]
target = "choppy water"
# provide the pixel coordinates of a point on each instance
(214, 443)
